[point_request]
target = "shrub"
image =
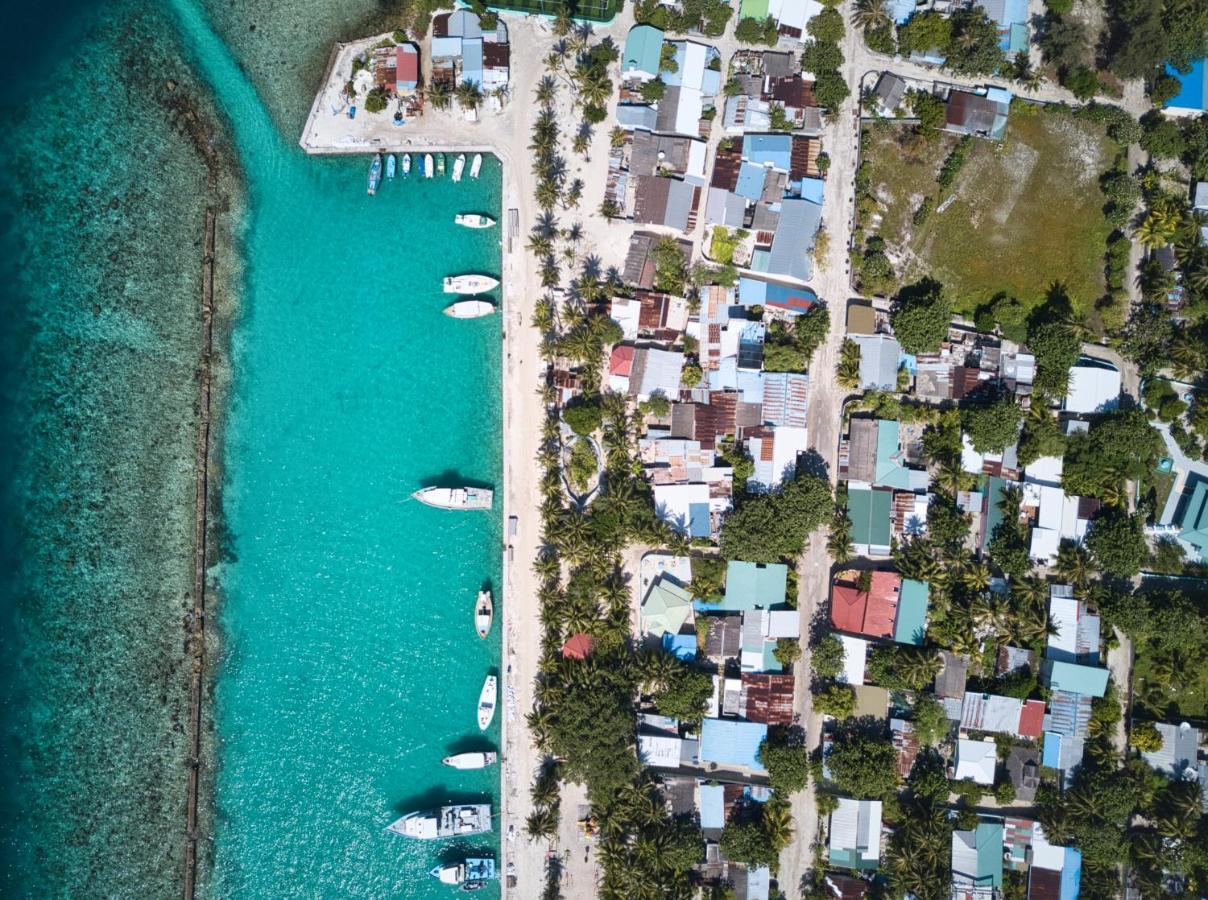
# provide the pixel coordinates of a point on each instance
(583, 415)
(375, 100)
(920, 316)
(1145, 737)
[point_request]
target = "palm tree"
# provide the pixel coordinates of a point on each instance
(778, 823)
(1186, 355)
(1074, 566)
(469, 95)
(870, 15)
(952, 477)
(438, 95)
(546, 91)
(542, 824)
(976, 577)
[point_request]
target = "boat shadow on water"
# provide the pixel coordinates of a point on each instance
(440, 795)
(450, 478)
(470, 743)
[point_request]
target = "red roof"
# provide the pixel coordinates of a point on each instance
(871, 614)
(769, 698)
(1031, 719)
(577, 646)
(621, 361)
(407, 63)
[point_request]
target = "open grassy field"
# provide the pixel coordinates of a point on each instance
(1026, 212)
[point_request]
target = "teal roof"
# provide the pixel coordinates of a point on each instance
(643, 50)
(911, 625)
(995, 492)
(770, 662)
(1018, 38)
(869, 512)
(988, 843)
(1087, 680)
(750, 585)
(1194, 522)
(889, 471)
(846, 859)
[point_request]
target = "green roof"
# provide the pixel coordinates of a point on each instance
(1194, 521)
(667, 607)
(750, 585)
(753, 9)
(911, 625)
(988, 843)
(869, 512)
(994, 491)
(1090, 681)
(643, 50)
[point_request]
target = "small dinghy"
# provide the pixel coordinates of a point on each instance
(486, 703)
(390, 164)
(469, 309)
(484, 612)
(476, 165)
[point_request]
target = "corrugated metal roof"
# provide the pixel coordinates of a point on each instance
(733, 743)
(768, 698)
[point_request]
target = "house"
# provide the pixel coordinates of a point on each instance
(790, 299)
(406, 68)
(855, 659)
(639, 269)
(692, 508)
(642, 58)
(577, 646)
(888, 93)
(791, 15)
(660, 751)
(655, 372)
(1002, 715)
(775, 452)
(1094, 387)
(691, 87)
(1192, 98)
(773, 151)
(871, 520)
(1076, 635)
(855, 834)
(1177, 758)
(1023, 766)
(983, 115)
(712, 807)
(1192, 522)
(620, 367)
(669, 202)
(637, 116)
(844, 887)
(870, 612)
(977, 862)
(1056, 872)
(784, 398)
(462, 51)
(729, 742)
(1011, 16)
(755, 585)
(767, 697)
(951, 678)
(976, 761)
(879, 357)
(793, 241)
(1059, 517)
(1074, 679)
(911, 624)
(667, 608)
(861, 318)
(875, 457)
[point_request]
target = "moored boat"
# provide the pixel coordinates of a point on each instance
(406, 164)
(429, 166)
(445, 822)
(487, 700)
(470, 284)
(390, 164)
(473, 220)
(459, 166)
(375, 173)
(472, 870)
(476, 165)
(470, 309)
(484, 612)
(440, 164)
(476, 760)
(456, 498)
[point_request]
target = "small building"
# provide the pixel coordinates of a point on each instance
(643, 54)
(871, 613)
(767, 697)
(983, 115)
(861, 318)
(879, 358)
(665, 201)
(976, 761)
(793, 241)
(870, 512)
(855, 660)
(906, 743)
(1023, 766)
(1177, 758)
(755, 585)
(1002, 715)
(977, 862)
(911, 624)
(888, 93)
(1094, 387)
(729, 742)
(1193, 522)
(1074, 679)
(637, 116)
(855, 834)
(406, 77)
(951, 678)
(667, 608)
(1056, 872)
(712, 807)
(1192, 98)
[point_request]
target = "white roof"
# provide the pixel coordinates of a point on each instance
(713, 710)
(976, 760)
(964, 858)
(788, 442)
(856, 825)
(1044, 854)
(783, 623)
(671, 501)
(794, 13)
(1046, 470)
(663, 371)
(1063, 612)
(696, 159)
(626, 312)
(659, 750)
(692, 64)
(1200, 197)
(855, 655)
(1092, 389)
(688, 111)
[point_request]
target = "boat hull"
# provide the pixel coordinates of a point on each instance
(487, 700)
(469, 309)
(446, 822)
(470, 284)
(456, 498)
(471, 220)
(468, 761)
(484, 613)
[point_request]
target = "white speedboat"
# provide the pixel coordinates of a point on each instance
(471, 874)
(470, 309)
(473, 220)
(484, 612)
(390, 164)
(486, 703)
(476, 165)
(406, 164)
(477, 760)
(456, 498)
(470, 284)
(459, 166)
(429, 166)
(445, 822)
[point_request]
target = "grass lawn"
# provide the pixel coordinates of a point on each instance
(1026, 212)
(1189, 699)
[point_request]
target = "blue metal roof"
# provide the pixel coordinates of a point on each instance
(776, 149)
(732, 743)
(1086, 680)
(811, 189)
(471, 60)
(750, 181)
(698, 520)
(1071, 874)
(1051, 751)
(681, 646)
(712, 806)
(1193, 94)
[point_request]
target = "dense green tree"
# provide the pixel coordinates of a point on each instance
(920, 316)
(819, 56)
(1138, 42)
(925, 31)
(1117, 542)
(684, 694)
(1056, 348)
(947, 526)
(1062, 41)
(930, 721)
(754, 31)
(1041, 436)
(773, 527)
(974, 48)
(992, 422)
(830, 90)
(838, 700)
(928, 109)
(584, 415)
(898, 667)
(827, 26)
(1082, 81)
(863, 767)
(1163, 137)
(1119, 446)
(826, 657)
(784, 755)
(1147, 337)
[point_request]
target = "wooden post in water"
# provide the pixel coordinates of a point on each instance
(196, 626)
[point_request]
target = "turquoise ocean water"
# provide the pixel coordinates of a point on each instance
(347, 664)
(350, 665)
